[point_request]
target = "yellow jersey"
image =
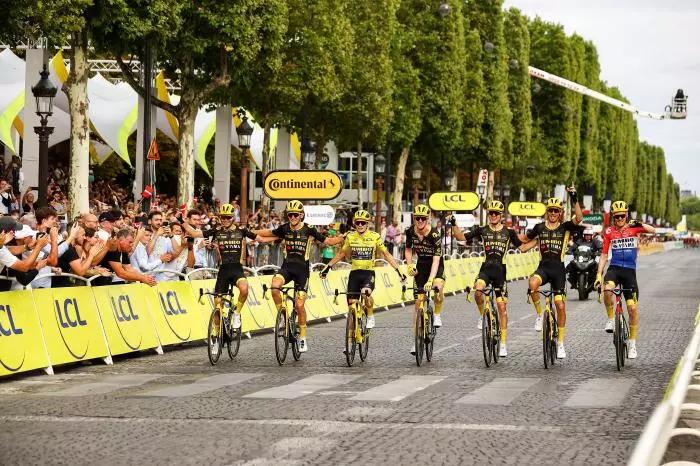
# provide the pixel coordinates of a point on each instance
(362, 249)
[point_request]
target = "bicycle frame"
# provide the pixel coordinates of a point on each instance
(550, 330)
(424, 331)
(491, 325)
(291, 330)
(356, 332)
(621, 330)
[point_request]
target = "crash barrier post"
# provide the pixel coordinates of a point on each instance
(661, 426)
(40, 328)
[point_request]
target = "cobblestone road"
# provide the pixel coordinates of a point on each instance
(177, 409)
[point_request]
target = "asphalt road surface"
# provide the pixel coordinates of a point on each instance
(177, 409)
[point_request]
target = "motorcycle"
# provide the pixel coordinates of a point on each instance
(582, 271)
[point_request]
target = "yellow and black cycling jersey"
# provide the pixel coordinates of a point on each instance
(297, 243)
(361, 249)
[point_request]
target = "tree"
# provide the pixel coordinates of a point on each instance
(212, 43)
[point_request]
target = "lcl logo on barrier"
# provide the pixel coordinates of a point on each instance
(170, 304)
(11, 328)
(121, 315)
(65, 320)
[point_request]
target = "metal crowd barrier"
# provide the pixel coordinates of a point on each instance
(661, 426)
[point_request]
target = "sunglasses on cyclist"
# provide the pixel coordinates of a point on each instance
(494, 213)
(553, 211)
(225, 217)
(620, 217)
(421, 219)
(294, 215)
(360, 223)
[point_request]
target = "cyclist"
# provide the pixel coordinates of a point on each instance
(297, 237)
(497, 240)
(623, 239)
(553, 237)
(230, 240)
(361, 247)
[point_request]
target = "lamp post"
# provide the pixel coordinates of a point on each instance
(448, 179)
(379, 167)
(444, 9)
(481, 190)
(44, 91)
(308, 154)
(416, 172)
(244, 132)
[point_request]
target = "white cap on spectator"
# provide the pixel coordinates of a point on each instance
(25, 232)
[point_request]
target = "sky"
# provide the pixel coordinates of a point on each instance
(648, 49)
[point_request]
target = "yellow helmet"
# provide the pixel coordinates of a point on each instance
(361, 215)
(226, 210)
(421, 210)
(295, 206)
(554, 203)
(495, 206)
(619, 206)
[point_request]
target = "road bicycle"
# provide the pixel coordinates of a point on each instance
(621, 331)
(550, 331)
(356, 331)
(424, 331)
(286, 325)
(490, 326)
(225, 334)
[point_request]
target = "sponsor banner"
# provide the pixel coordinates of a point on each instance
(453, 200)
(302, 184)
(175, 312)
(315, 304)
(206, 305)
(71, 324)
(527, 209)
(593, 219)
(391, 281)
(465, 220)
(125, 318)
(21, 341)
(259, 312)
(333, 282)
(380, 295)
(319, 214)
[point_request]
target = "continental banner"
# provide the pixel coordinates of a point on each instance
(71, 324)
(22, 345)
(175, 312)
(125, 318)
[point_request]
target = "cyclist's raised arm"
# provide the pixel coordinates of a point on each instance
(265, 239)
(265, 234)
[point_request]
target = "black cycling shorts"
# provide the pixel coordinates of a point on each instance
(358, 280)
(494, 274)
(422, 274)
(229, 274)
(296, 272)
(553, 272)
(625, 277)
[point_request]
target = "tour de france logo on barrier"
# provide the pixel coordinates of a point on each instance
(123, 314)
(175, 314)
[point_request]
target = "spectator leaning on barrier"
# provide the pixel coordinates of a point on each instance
(200, 251)
(106, 230)
(180, 251)
(140, 260)
(160, 245)
(117, 260)
(82, 248)
(8, 259)
(46, 219)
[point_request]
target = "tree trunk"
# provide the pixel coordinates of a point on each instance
(489, 188)
(78, 192)
(265, 164)
(359, 174)
(186, 158)
(400, 177)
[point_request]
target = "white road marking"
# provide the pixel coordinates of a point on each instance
(398, 389)
(474, 337)
(501, 391)
(442, 350)
(600, 393)
(366, 411)
(202, 385)
(108, 384)
(324, 426)
(304, 387)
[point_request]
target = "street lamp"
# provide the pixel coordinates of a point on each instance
(513, 63)
(449, 178)
(244, 131)
(444, 9)
(489, 48)
(481, 190)
(416, 173)
(308, 153)
(379, 167)
(44, 91)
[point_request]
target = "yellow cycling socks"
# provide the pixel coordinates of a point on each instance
(302, 331)
(538, 307)
(481, 308)
(438, 307)
(633, 332)
(610, 311)
(370, 311)
(504, 333)
(280, 306)
(239, 305)
(560, 337)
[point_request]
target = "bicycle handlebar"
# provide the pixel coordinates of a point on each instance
(617, 291)
(285, 290)
(488, 291)
(338, 293)
(434, 289)
(224, 296)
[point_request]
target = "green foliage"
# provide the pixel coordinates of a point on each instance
(690, 206)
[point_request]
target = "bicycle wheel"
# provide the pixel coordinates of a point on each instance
(554, 338)
(350, 342)
(364, 344)
(486, 337)
(294, 332)
(281, 336)
(625, 337)
(429, 335)
(546, 347)
(234, 341)
(419, 337)
(617, 342)
(213, 340)
(496, 337)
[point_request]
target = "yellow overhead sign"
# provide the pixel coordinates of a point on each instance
(321, 185)
(453, 200)
(526, 209)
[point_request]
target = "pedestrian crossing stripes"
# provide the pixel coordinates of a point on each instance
(500, 391)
